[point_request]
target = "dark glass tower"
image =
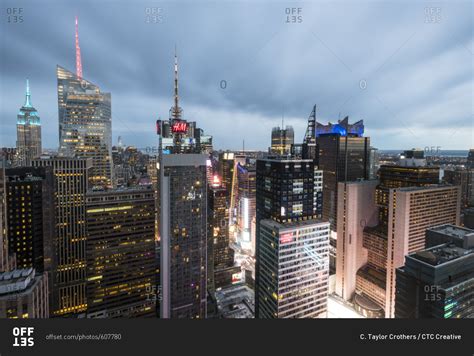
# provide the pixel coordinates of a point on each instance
(30, 216)
(343, 156)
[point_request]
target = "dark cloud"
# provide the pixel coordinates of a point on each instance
(407, 75)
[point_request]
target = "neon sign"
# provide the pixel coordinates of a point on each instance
(285, 238)
(179, 127)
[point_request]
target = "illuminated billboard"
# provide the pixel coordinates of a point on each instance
(179, 127)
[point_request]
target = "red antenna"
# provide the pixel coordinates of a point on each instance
(78, 54)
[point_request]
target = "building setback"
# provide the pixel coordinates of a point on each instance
(120, 252)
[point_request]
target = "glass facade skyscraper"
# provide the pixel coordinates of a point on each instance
(85, 125)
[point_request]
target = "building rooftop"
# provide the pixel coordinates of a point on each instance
(457, 232)
(236, 302)
(16, 280)
(441, 254)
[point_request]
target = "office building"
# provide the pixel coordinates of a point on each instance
(438, 282)
(24, 294)
(356, 209)
(69, 276)
(293, 269)
(464, 178)
(288, 192)
(343, 156)
(182, 209)
(85, 125)
(28, 132)
(182, 215)
(120, 250)
(282, 139)
(409, 212)
(30, 216)
(246, 178)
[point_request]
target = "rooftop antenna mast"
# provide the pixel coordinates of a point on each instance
(310, 136)
(78, 53)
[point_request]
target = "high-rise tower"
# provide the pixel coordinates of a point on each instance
(182, 213)
(28, 132)
(85, 123)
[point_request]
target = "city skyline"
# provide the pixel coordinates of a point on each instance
(237, 79)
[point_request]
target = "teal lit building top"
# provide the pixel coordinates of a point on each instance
(27, 113)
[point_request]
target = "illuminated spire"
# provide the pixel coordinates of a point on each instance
(78, 53)
(28, 95)
(177, 110)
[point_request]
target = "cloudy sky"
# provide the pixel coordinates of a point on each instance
(405, 68)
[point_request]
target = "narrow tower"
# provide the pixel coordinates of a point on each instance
(78, 53)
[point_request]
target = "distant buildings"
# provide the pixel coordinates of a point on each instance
(437, 282)
(28, 132)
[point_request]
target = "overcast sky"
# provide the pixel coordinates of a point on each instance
(405, 68)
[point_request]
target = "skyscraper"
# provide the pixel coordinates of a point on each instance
(28, 132)
(69, 277)
(293, 269)
(437, 282)
(182, 209)
(343, 154)
(182, 215)
(120, 251)
(30, 216)
(221, 254)
(356, 209)
(85, 122)
(411, 211)
(288, 205)
(282, 139)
